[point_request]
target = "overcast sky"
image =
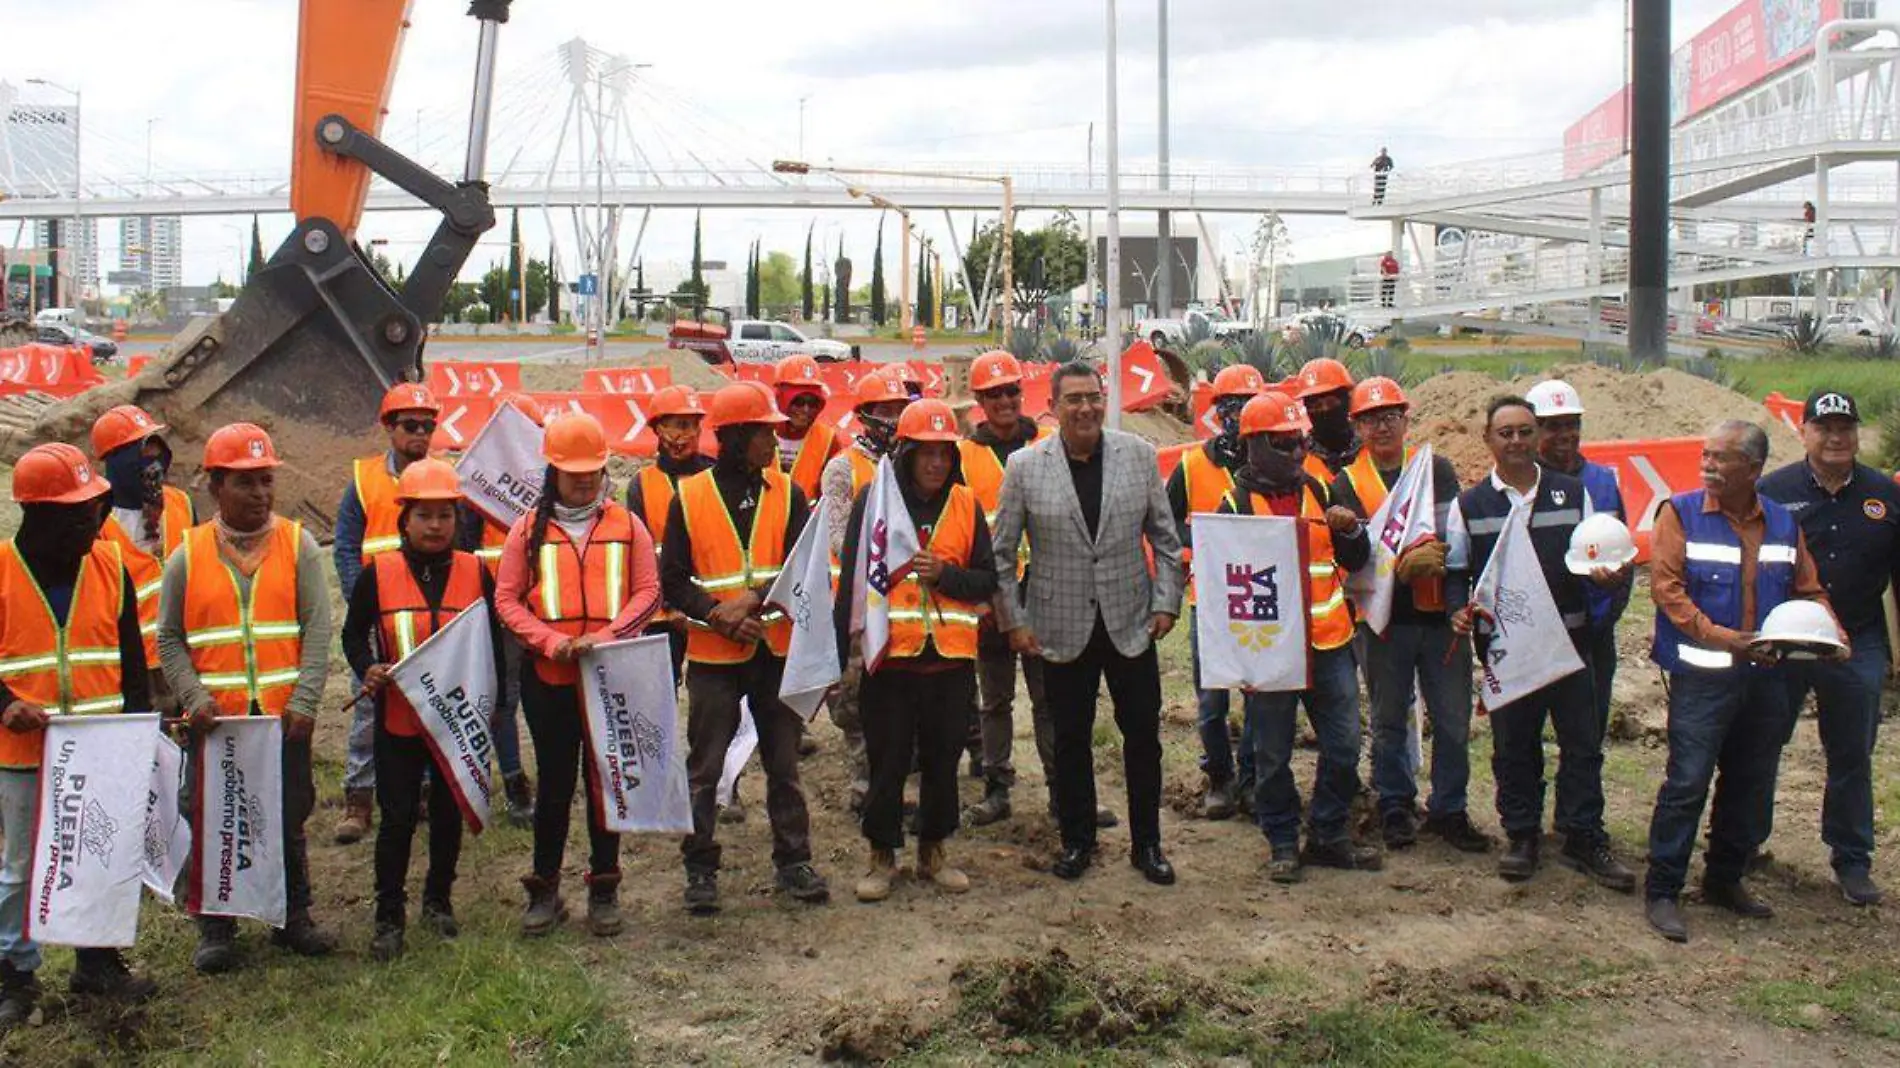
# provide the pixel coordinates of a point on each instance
(1297, 84)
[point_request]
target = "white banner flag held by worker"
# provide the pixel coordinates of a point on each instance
(633, 738)
(83, 886)
(1524, 645)
(885, 545)
(1405, 519)
(503, 467)
(450, 681)
(167, 831)
(237, 821)
(1250, 580)
(803, 592)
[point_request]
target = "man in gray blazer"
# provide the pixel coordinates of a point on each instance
(1087, 498)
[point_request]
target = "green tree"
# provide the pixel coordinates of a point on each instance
(554, 289)
(804, 280)
(841, 285)
(925, 309)
(1059, 246)
(498, 282)
(877, 296)
(693, 291)
(514, 292)
(778, 282)
(461, 296)
(752, 291)
(257, 252)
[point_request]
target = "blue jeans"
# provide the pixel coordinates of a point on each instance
(1517, 756)
(504, 723)
(1848, 698)
(19, 799)
(1408, 654)
(1733, 722)
(1217, 749)
(359, 756)
(1332, 703)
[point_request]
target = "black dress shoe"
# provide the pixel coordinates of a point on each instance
(1734, 896)
(1154, 867)
(1519, 862)
(1073, 862)
(1665, 918)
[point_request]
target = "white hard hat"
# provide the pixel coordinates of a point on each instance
(1601, 540)
(1802, 630)
(1554, 398)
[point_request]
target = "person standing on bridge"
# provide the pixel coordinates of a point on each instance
(366, 525)
(1381, 170)
(1388, 279)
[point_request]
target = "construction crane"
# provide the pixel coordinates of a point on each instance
(317, 335)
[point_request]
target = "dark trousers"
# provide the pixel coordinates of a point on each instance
(1733, 722)
(300, 799)
(1388, 289)
(996, 709)
(1603, 671)
(713, 692)
(1218, 758)
(560, 753)
(1847, 699)
(1517, 757)
(403, 767)
(676, 644)
(1134, 685)
(1332, 703)
(907, 713)
(1408, 658)
(1378, 188)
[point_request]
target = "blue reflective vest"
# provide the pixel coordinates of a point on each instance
(1712, 569)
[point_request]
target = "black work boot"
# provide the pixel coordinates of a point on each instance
(1345, 854)
(103, 973)
(1283, 865)
(1591, 855)
(1519, 861)
(217, 950)
(1665, 918)
(545, 910)
(1734, 896)
(1222, 800)
(994, 808)
(439, 916)
(19, 993)
(386, 944)
(702, 892)
(803, 883)
(603, 903)
(1399, 828)
(1456, 830)
(301, 935)
(520, 794)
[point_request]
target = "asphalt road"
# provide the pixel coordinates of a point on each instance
(568, 350)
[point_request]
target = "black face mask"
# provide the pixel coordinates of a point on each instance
(1333, 428)
(1268, 468)
(59, 535)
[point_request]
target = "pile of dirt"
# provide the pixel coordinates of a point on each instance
(874, 1033)
(1448, 410)
(1462, 999)
(1159, 427)
(1078, 1005)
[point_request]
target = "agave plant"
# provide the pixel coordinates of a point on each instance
(1197, 330)
(1025, 345)
(1062, 350)
(1259, 350)
(1803, 337)
(1384, 363)
(1884, 346)
(1703, 367)
(1207, 357)
(1613, 358)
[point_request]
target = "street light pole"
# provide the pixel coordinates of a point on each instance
(72, 240)
(1009, 258)
(1164, 223)
(1112, 262)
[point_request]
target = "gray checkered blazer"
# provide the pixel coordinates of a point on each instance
(1073, 576)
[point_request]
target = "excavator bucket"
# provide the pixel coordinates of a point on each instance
(307, 351)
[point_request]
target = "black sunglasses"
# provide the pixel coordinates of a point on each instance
(1009, 392)
(415, 426)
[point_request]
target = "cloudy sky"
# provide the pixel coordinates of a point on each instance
(1297, 84)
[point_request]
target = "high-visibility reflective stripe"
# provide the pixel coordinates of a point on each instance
(23, 665)
(1777, 554)
(1562, 517)
(232, 681)
(149, 590)
(616, 571)
(550, 583)
(489, 554)
(99, 705)
(198, 639)
(1573, 620)
(1713, 553)
(92, 656)
(1484, 527)
(405, 634)
(1696, 656)
(720, 582)
(1330, 604)
(149, 628)
(764, 574)
(372, 546)
(276, 630)
(277, 678)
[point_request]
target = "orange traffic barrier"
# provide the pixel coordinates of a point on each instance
(461, 418)
(1788, 411)
(450, 378)
(135, 364)
(643, 381)
(1649, 473)
(917, 337)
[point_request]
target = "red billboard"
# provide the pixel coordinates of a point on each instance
(1753, 40)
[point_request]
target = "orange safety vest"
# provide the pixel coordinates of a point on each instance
(920, 617)
(578, 592)
(247, 651)
(983, 473)
(656, 503)
(1206, 484)
(1428, 594)
(376, 492)
(148, 569)
(1330, 617)
(494, 536)
(726, 569)
(863, 470)
(69, 670)
(407, 621)
(1317, 468)
(808, 470)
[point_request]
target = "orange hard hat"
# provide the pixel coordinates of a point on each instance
(527, 406)
(1376, 393)
(1239, 380)
(122, 426)
(1323, 376)
(928, 420)
(408, 397)
(743, 402)
(994, 368)
(429, 480)
(575, 442)
(56, 474)
(1274, 413)
(798, 369)
(240, 447)
(675, 400)
(881, 386)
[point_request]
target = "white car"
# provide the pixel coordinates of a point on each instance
(1849, 327)
(758, 341)
(1164, 333)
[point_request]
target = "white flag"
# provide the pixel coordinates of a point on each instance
(1250, 581)
(1405, 519)
(633, 737)
(450, 681)
(167, 831)
(1528, 647)
(744, 741)
(803, 592)
(503, 467)
(238, 821)
(83, 886)
(885, 546)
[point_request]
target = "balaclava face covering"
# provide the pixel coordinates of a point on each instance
(1226, 445)
(879, 434)
(1268, 470)
(125, 469)
(59, 535)
(1332, 428)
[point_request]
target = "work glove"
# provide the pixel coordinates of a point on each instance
(1425, 560)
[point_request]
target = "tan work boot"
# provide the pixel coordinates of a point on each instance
(876, 884)
(356, 817)
(934, 868)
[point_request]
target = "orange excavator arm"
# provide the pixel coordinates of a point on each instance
(346, 65)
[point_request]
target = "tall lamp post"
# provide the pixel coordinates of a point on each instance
(72, 240)
(1112, 263)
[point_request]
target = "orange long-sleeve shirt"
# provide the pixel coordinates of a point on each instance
(517, 574)
(1671, 592)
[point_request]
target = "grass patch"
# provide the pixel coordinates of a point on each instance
(1865, 1002)
(1874, 383)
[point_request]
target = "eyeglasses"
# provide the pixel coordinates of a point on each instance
(1083, 400)
(1385, 418)
(416, 426)
(1009, 392)
(806, 400)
